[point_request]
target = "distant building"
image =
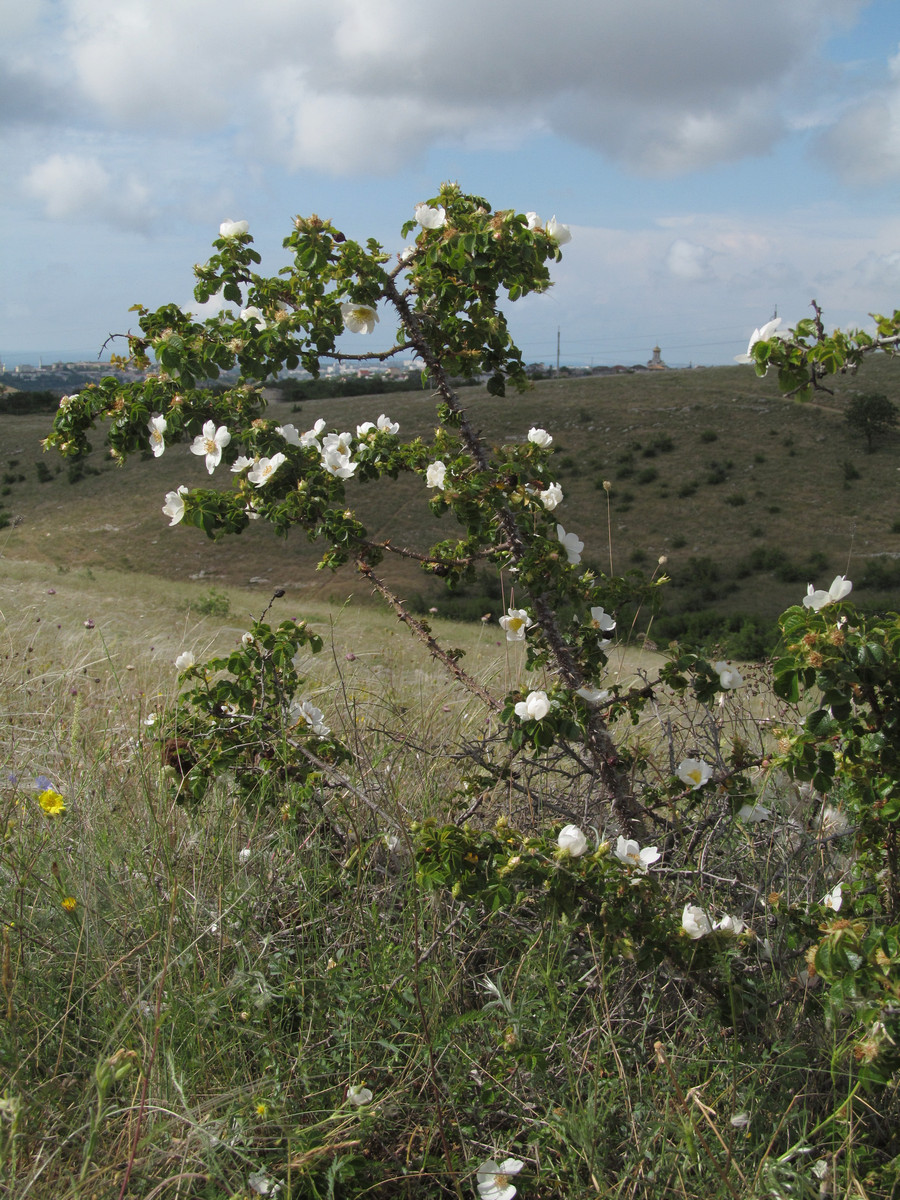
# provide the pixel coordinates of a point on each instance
(656, 363)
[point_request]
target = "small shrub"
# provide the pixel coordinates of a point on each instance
(881, 574)
(648, 475)
(850, 471)
(873, 416)
(687, 489)
(736, 500)
(79, 469)
(709, 435)
(213, 604)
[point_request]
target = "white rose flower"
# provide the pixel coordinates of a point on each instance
(386, 425)
(534, 221)
(337, 463)
(560, 233)
(493, 1180)
(290, 433)
(540, 437)
(572, 840)
(600, 619)
(729, 675)
(695, 922)
(629, 852)
(253, 314)
(534, 707)
(157, 427)
(834, 899)
(730, 925)
(359, 318)
(229, 229)
(515, 623)
(339, 443)
(211, 442)
(572, 544)
(695, 772)
(551, 496)
(302, 712)
(311, 437)
(434, 476)
(263, 471)
(174, 505)
(185, 660)
(431, 218)
(840, 588)
(759, 335)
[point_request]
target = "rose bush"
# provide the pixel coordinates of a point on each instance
(557, 745)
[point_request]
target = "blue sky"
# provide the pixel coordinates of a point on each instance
(714, 158)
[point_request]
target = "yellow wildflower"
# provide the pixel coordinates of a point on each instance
(69, 903)
(51, 802)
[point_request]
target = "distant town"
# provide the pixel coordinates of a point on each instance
(69, 376)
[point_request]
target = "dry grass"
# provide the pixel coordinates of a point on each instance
(785, 488)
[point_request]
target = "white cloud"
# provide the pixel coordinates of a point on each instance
(688, 261)
(74, 187)
(351, 85)
(623, 289)
(863, 142)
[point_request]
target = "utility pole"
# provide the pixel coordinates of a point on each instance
(557, 349)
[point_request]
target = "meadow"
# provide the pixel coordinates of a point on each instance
(231, 999)
(227, 983)
(291, 995)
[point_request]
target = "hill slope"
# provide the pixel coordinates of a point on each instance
(748, 494)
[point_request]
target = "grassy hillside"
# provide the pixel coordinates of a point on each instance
(748, 495)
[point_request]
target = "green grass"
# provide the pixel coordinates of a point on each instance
(241, 995)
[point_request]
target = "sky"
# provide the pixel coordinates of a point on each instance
(714, 159)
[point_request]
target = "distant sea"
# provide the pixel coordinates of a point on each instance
(18, 358)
